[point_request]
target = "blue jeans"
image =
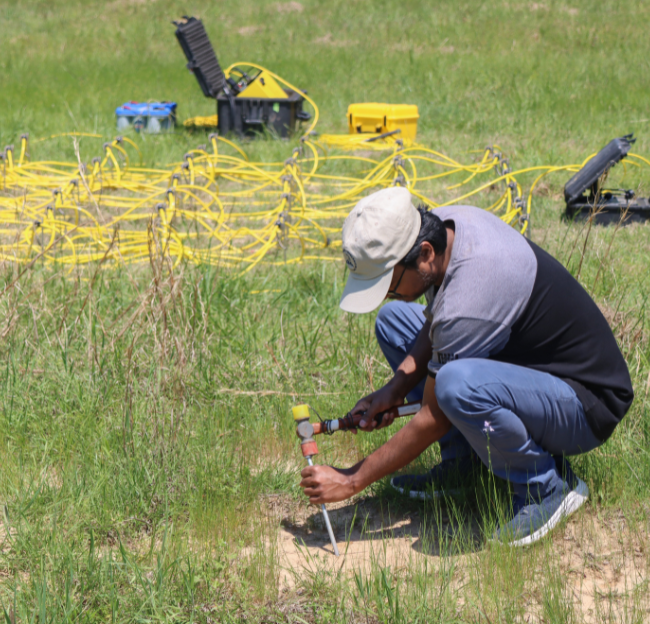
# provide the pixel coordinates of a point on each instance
(514, 418)
(397, 327)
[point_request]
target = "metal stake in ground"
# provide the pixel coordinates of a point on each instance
(305, 431)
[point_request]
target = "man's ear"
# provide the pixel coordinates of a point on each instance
(426, 252)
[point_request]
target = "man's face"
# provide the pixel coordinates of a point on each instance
(409, 284)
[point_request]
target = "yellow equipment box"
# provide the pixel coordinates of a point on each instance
(381, 118)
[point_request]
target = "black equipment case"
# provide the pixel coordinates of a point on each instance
(236, 113)
(606, 206)
(250, 115)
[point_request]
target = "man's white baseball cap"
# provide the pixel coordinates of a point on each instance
(377, 234)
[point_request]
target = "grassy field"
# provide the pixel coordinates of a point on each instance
(148, 465)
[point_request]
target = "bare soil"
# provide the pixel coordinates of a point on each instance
(604, 558)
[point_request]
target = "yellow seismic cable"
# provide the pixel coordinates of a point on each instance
(217, 207)
(211, 121)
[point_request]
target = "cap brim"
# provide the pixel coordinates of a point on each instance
(364, 295)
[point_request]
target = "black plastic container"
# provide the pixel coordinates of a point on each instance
(610, 210)
(583, 198)
(250, 116)
(237, 114)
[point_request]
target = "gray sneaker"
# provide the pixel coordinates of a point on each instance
(533, 520)
(448, 478)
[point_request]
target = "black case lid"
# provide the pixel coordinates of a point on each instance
(588, 176)
(200, 55)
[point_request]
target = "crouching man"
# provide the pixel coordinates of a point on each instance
(513, 361)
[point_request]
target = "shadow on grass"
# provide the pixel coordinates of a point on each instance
(441, 528)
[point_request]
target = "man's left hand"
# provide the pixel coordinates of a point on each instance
(324, 484)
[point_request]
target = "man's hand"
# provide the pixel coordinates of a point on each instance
(409, 374)
(324, 484)
(376, 403)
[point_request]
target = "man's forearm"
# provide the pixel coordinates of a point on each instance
(414, 367)
(426, 427)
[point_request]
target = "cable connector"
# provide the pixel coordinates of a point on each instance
(523, 219)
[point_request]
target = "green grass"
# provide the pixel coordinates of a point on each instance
(550, 79)
(144, 418)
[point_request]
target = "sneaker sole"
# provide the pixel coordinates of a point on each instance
(426, 495)
(575, 499)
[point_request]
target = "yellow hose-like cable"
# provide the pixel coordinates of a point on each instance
(220, 208)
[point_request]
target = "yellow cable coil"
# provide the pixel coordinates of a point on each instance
(209, 121)
(362, 141)
(217, 207)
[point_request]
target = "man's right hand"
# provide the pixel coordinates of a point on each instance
(376, 403)
(410, 372)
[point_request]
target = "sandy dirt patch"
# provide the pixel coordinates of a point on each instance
(606, 560)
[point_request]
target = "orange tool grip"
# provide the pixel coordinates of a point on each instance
(309, 449)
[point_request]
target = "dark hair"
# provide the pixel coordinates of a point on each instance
(432, 231)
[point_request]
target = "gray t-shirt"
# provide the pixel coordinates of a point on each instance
(487, 285)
